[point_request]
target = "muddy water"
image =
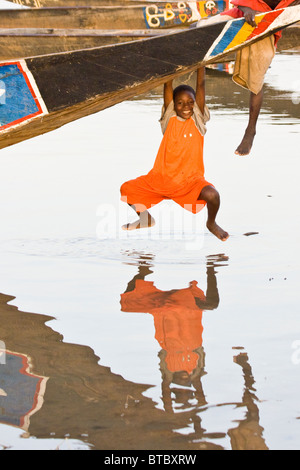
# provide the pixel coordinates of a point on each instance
(164, 339)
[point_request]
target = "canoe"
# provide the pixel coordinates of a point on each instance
(62, 3)
(23, 43)
(35, 32)
(40, 94)
(154, 15)
(77, 3)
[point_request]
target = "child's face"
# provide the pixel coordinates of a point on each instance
(184, 104)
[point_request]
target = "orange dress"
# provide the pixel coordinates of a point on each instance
(177, 320)
(178, 171)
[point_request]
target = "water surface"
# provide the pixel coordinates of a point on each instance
(164, 338)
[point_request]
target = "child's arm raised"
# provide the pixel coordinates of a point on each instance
(200, 88)
(168, 93)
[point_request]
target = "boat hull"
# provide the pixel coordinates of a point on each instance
(21, 43)
(155, 15)
(44, 93)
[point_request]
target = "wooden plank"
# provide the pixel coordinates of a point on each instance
(155, 15)
(70, 3)
(79, 3)
(23, 43)
(44, 93)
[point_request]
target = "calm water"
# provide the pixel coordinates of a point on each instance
(164, 338)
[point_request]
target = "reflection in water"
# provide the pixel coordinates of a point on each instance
(178, 326)
(21, 391)
(82, 399)
(53, 389)
(248, 434)
(177, 316)
(280, 102)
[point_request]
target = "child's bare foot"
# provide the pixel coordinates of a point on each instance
(246, 145)
(142, 222)
(217, 231)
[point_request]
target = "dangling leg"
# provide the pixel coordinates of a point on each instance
(138, 190)
(255, 106)
(212, 198)
(145, 220)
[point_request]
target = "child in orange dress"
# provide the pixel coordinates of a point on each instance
(178, 171)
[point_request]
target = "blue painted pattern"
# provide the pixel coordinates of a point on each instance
(228, 37)
(20, 390)
(17, 102)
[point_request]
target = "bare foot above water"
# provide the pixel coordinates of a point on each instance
(217, 231)
(142, 222)
(246, 145)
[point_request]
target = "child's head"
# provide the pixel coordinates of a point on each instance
(184, 98)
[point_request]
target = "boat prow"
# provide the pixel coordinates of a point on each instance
(40, 94)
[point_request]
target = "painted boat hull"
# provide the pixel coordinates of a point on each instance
(78, 3)
(155, 15)
(43, 93)
(23, 43)
(17, 44)
(34, 32)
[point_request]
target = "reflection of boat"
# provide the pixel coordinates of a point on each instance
(290, 39)
(40, 94)
(277, 102)
(83, 400)
(22, 391)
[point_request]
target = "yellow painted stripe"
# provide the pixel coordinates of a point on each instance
(244, 33)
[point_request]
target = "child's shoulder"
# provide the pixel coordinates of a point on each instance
(199, 118)
(166, 114)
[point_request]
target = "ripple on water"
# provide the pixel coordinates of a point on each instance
(129, 251)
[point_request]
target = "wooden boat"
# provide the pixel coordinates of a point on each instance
(22, 43)
(77, 3)
(69, 3)
(40, 94)
(34, 32)
(154, 15)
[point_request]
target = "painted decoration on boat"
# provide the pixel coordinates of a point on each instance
(211, 7)
(20, 100)
(29, 3)
(76, 84)
(21, 391)
(167, 16)
(239, 31)
(181, 13)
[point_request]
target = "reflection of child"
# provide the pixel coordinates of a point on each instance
(177, 315)
(178, 171)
